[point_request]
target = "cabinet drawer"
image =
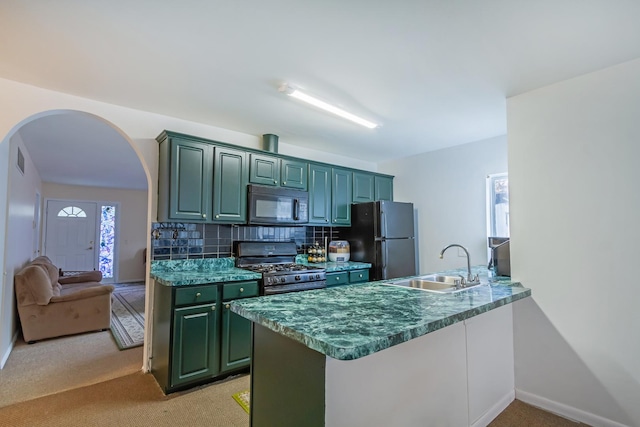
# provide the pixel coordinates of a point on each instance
(358, 276)
(335, 279)
(239, 290)
(196, 295)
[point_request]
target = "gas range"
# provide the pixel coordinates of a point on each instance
(276, 262)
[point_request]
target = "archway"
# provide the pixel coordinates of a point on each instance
(12, 257)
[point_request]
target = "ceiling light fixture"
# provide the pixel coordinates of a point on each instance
(296, 93)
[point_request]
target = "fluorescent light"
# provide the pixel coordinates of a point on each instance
(296, 93)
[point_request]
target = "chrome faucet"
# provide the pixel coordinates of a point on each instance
(471, 280)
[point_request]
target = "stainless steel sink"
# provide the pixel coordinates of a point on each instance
(434, 283)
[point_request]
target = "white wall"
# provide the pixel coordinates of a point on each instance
(574, 171)
(133, 234)
(5, 341)
(448, 190)
(21, 103)
(21, 202)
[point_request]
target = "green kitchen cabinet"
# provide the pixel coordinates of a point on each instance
(196, 338)
(195, 344)
(294, 174)
(319, 194)
(363, 187)
(341, 196)
(383, 187)
(230, 177)
(184, 181)
(264, 170)
(277, 172)
(339, 278)
(236, 330)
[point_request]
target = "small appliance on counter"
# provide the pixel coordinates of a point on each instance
(339, 251)
(500, 261)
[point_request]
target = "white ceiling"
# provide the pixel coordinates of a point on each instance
(433, 73)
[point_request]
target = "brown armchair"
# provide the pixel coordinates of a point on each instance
(47, 308)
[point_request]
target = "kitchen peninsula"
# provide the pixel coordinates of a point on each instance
(371, 354)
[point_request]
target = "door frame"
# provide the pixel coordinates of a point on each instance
(99, 204)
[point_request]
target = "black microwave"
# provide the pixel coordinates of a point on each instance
(277, 206)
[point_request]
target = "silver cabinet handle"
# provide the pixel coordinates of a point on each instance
(213, 308)
(227, 306)
(204, 215)
(198, 295)
(241, 289)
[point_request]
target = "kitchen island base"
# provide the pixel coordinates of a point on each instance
(446, 377)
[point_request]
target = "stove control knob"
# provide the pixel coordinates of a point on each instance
(317, 276)
(282, 279)
(297, 277)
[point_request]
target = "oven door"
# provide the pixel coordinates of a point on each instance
(268, 205)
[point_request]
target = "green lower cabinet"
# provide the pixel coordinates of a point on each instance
(236, 340)
(196, 351)
(236, 330)
(196, 338)
(340, 278)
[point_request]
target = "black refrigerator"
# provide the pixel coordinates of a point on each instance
(382, 234)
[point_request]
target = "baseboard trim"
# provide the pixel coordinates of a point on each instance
(566, 411)
(5, 356)
(495, 410)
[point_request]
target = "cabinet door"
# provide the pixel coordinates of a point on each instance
(236, 340)
(294, 174)
(383, 188)
(319, 195)
(190, 180)
(337, 279)
(264, 170)
(195, 354)
(341, 196)
(363, 187)
(230, 176)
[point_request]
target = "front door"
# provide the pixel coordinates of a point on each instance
(70, 240)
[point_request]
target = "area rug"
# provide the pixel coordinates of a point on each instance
(127, 316)
(243, 399)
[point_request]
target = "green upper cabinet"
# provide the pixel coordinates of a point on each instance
(363, 187)
(319, 194)
(264, 170)
(186, 172)
(277, 172)
(383, 187)
(230, 177)
(341, 196)
(293, 174)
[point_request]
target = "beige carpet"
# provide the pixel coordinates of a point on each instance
(65, 363)
(133, 400)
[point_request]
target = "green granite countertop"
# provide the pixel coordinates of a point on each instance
(349, 322)
(199, 272)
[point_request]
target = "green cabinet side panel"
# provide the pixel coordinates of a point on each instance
(190, 180)
(195, 352)
(319, 194)
(294, 174)
(280, 368)
(363, 187)
(383, 188)
(264, 170)
(341, 196)
(230, 177)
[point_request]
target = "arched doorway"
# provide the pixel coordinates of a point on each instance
(63, 150)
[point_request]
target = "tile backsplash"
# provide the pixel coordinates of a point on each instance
(181, 240)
